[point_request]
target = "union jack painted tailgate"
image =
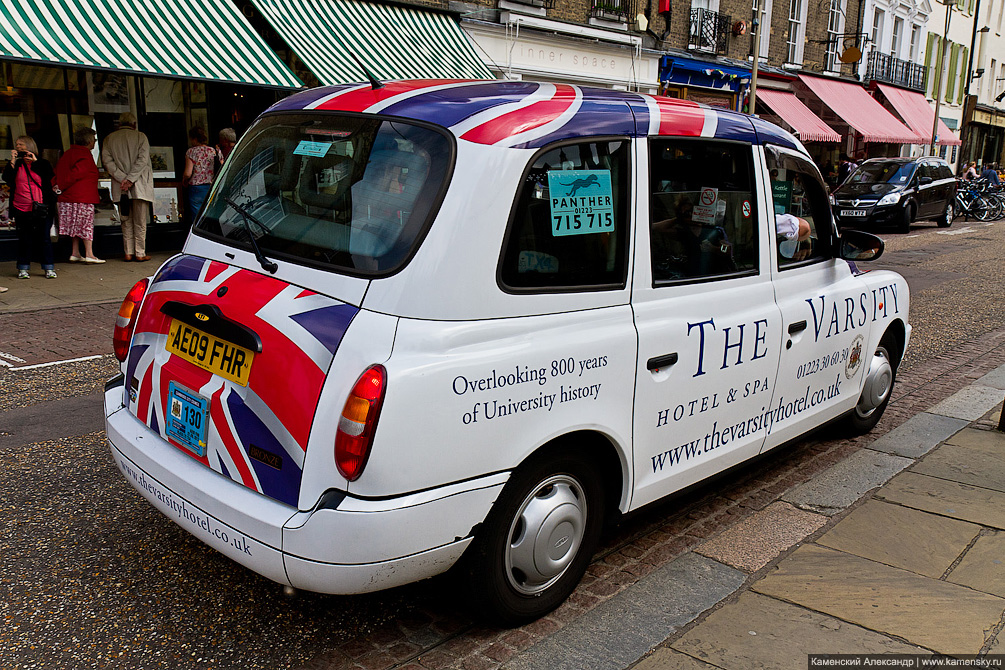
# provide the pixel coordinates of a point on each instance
(257, 434)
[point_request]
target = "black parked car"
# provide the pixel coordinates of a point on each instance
(894, 192)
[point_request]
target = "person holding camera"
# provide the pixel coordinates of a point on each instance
(32, 202)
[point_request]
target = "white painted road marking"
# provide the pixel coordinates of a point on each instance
(46, 365)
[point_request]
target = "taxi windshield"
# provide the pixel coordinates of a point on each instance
(348, 193)
(892, 173)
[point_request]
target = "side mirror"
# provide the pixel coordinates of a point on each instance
(925, 180)
(855, 245)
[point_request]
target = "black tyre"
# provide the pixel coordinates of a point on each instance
(880, 376)
(537, 541)
(946, 219)
(904, 225)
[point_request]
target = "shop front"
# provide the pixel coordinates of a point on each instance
(867, 129)
(528, 47)
(212, 64)
(913, 109)
(93, 60)
(986, 135)
(715, 83)
(778, 103)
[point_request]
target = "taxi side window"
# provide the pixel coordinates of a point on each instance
(702, 210)
(569, 227)
(802, 213)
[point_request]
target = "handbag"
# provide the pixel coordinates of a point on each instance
(39, 210)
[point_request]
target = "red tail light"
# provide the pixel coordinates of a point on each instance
(126, 320)
(358, 422)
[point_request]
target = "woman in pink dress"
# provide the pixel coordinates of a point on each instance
(76, 182)
(198, 170)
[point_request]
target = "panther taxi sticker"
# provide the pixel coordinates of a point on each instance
(582, 202)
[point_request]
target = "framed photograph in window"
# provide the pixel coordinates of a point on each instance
(162, 161)
(108, 92)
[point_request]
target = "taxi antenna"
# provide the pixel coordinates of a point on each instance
(374, 82)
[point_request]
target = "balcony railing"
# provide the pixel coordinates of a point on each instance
(886, 68)
(709, 31)
(611, 10)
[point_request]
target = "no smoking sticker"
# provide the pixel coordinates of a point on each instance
(746, 209)
(704, 211)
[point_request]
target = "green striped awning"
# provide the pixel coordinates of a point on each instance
(190, 39)
(394, 42)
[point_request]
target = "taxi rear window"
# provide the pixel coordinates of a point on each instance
(350, 193)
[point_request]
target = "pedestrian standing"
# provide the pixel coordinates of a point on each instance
(225, 141)
(971, 171)
(77, 184)
(990, 174)
(32, 202)
(198, 176)
(126, 157)
(845, 168)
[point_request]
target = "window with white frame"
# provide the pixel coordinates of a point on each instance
(835, 24)
(896, 36)
(764, 31)
(915, 41)
(877, 29)
(796, 31)
(992, 84)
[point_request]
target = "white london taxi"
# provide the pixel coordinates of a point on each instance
(443, 323)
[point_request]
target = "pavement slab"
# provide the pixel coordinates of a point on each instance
(624, 628)
(975, 458)
(761, 632)
(943, 617)
(901, 537)
(918, 435)
(668, 659)
(758, 539)
(994, 379)
(970, 403)
(983, 568)
(838, 487)
(947, 498)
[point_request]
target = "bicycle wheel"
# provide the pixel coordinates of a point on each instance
(982, 209)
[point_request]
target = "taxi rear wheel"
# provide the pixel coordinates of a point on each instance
(537, 541)
(876, 392)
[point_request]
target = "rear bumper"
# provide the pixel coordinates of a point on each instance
(354, 546)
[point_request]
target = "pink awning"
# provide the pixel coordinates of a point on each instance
(810, 127)
(861, 111)
(918, 114)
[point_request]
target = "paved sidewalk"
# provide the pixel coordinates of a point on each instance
(77, 283)
(916, 567)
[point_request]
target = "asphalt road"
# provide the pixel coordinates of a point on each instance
(92, 577)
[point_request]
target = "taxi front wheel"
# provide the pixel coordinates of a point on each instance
(537, 541)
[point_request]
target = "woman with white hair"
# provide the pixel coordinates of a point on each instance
(77, 180)
(32, 202)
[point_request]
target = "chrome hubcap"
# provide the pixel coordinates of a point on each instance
(878, 383)
(546, 534)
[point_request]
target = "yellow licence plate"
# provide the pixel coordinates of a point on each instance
(210, 353)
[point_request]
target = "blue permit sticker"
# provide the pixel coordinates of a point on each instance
(308, 148)
(582, 202)
(187, 418)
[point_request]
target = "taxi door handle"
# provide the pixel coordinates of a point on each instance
(797, 327)
(662, 361)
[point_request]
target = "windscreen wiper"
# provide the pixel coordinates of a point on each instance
(267, 265)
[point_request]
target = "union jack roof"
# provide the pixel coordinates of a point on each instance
(528, 115)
